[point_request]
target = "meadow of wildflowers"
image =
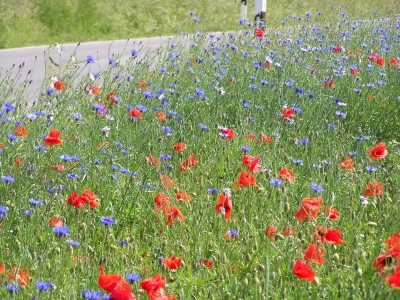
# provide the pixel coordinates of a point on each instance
(252, 164)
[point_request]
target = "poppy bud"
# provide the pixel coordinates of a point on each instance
(356, 266)
(261, 268)
(272, 276)
(39, 239)
(164, 243)
(82, 226)
(58, 250)
(90, 248)
(316, 281)
(336, 257)
(359, 272)
(248, 257)
(171, 279)
(372, 224)
(245, 282)
(343, 260)
(256, 280)
(364, 255)
(286, 207)
(223, 258)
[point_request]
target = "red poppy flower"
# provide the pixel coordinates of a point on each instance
(21, 275)
(374, 189)
(188, 163)
(172, 263)
(58, 168)
(108, 282)
(288, 113)
(154, 288)
(18, 162)
(224, 206)
(153, 160)
(95, 90)
(161, 116)
(314, 254)
(2, 270)
(143, 84)
(55, 221)
(393, 61)
(111, 98)
(354, 71)
(332, 213)
(265, 138)
(227, 133)
(135, 113)
(259, 33)
(208, 263)
(338, 49)
(53, 138)
(394, 279)
(393, 241)
(173, 213)
(303, 271)
(270, 232)
(122, 291)
(75, 200)
(167, 181)
(378, 152)
(329, 83)
(180, 147)
(246, 179)
(347, 163)
(251, 162)
(287, 175)
(333, 236)
(289, 231)
(59, 85)
(161, 200)
(182, 195)
(309, 209)
(20, 131)
(90, 198)
(387, 259)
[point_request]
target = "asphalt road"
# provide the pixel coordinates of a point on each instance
(29, 63)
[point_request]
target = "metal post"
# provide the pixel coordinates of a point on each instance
(243, 10)
(260, 8)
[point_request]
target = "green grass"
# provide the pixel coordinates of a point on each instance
(28, 23)
(250, 266)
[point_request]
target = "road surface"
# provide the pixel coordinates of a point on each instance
(31, 61)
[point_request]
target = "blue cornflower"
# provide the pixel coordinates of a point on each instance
(246, 148)
(107, 221)
(3, 211)
(28, 213)
(112, 62)
(123, 243)
(317, 166)
(12, 137)
(353, 153)
(166, 129)
(97, 161)
(232, 234)
(141, 108)
(49, 92)
(92, 295)
(252, 86)
(90, 59)
(304, 141)
(76, 116)
(213, 191)
(43, 286)
(61, 230)
(298, 162)
(340, 114)
(8, 107)
(35, 202)
(8, 178)
(124, 151)
(165, 156)
(72, 176)
(134, 53)
(199, 93)
(276, 182)
(245, 103)
(131, 278)
(331, 126)
(12, 288)
(316, 188)
(73, 243)
(370, 169)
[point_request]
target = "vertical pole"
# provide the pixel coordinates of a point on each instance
(243, 10)
(260, 8)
